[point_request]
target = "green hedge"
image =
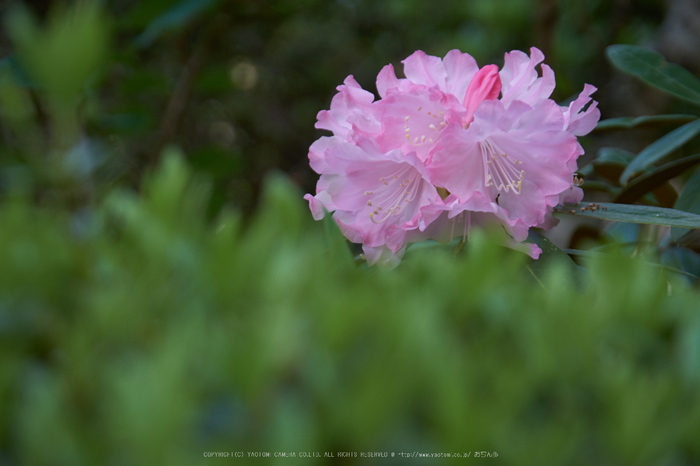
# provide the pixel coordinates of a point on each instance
(140, 333)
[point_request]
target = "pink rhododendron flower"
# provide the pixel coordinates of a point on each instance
(449, 147)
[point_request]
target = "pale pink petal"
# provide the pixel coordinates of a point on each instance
(543, 157)
(316, 204)
(424, 69)
(460, 68)
(456, 164)
(526, 158)
(547, 82)
(326, 120)
(345, 221)
(529, 206)
(318, 151)
(579, 123)
(386, 79)
(549, 220)
(571, 196)
(414, 121)
(545, 115)
(530, 249)
(521, 80)
(383, 256)
(377, 196)
(350, 107)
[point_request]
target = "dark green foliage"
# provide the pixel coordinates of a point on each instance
(238, 83)
(142, 334)
(149, 322)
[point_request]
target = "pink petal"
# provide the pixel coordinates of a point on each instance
(528, 207)
(383, 256)
(460, 68)
(456, 164)
(581, 124)
(530, 249)
(318, 151)
(424, 69)
(350, 107)
(415, 120)
(316, 204)
(386, 79)
(521, 81)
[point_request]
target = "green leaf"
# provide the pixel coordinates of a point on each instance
(642, 122)
(614, 155)
(688, 201)
(652, 68)
(599, 186)
(596, 254)
(337, 244)
(651, 180)
(683, 259)
(175, 17)
(611, 162)
(550, 253)
(633, 214)
(62, 54)
(661, 148)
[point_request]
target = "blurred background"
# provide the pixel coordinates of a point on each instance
(237, 84)
(150, 324)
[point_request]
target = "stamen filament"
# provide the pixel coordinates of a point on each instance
(500, 168)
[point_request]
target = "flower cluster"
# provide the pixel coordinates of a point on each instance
(449, 147)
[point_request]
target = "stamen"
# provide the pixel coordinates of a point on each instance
(409, 189)
(425, 134)
(467, 226)
(499, 168)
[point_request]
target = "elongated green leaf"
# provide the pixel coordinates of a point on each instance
(660, 149)
(688, 201)
(550, 253)
(614, 155)
(611, 162)
(588, 253)
(682, 258)
(651, 180)
(642, 122)
(652, 68)
(600, 186)
(633, 214)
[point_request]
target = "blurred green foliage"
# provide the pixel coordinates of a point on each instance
(148, 322)
(139, 333)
